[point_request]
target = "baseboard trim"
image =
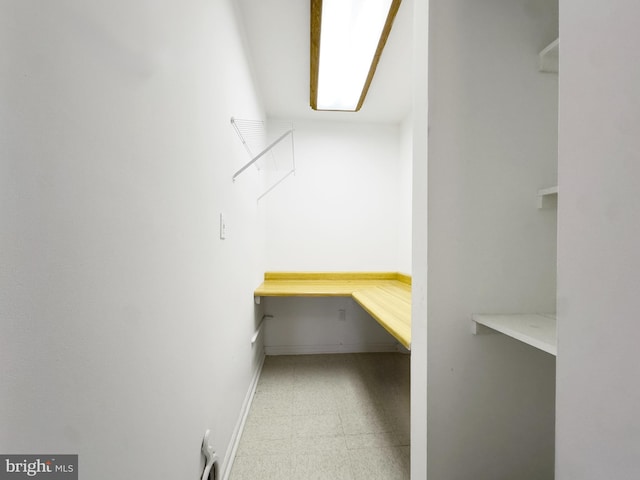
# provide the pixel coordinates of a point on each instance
(227, 464)
(322, 349)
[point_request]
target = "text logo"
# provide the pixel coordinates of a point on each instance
(45, 467)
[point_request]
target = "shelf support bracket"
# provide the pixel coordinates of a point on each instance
(277, 183)
(262, 153)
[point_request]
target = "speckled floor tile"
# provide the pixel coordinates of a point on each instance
(379, 464)
(342, 417)
(263, 467)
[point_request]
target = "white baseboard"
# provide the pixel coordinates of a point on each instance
(321, 349)
(237, 431)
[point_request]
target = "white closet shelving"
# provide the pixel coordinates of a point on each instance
(537, 330)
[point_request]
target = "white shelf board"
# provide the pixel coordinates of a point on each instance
(548, 58)
(547, 197)
(537, 330)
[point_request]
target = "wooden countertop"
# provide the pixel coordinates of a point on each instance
(386, 296)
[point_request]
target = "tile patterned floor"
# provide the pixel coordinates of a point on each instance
(329, 417)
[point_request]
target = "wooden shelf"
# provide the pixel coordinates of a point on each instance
(548, 197)
(386, 296)
(324, 284)
(548, 58)
(537, 330)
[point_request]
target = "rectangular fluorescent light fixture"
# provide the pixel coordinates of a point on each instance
(347, 39)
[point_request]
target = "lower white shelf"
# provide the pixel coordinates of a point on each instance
(537, 330)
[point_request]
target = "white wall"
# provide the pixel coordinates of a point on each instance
(598, 393)
(405, 207)
(124, 333)
(316, 325)
(340, 211)
(492, 144)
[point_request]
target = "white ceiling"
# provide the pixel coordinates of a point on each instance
(277, 36)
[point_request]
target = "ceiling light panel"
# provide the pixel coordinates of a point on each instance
(347, 38)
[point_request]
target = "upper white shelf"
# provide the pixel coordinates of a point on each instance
(547, 197)
(537, 330)
(548, 58)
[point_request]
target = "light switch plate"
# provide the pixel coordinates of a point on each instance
(223, 227)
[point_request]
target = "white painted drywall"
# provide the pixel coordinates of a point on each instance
(340, 212)
(405, 190)
(492, 144)
(322, 325)
(598, 393)
(124, 320)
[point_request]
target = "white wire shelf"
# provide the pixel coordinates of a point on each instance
(275, 153)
